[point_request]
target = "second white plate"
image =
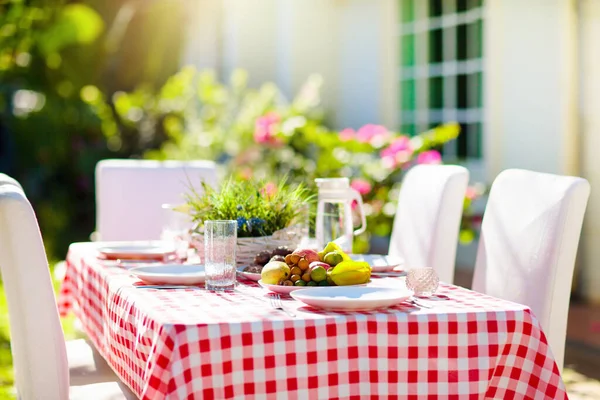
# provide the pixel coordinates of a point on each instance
(248, 275)
(288, 289)
(351, 298)
(136, 251)
(378, 262)
(170, 274)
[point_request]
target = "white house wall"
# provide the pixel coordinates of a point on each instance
(249, 38)
(530, 90)
(589, 50)
(351, 43)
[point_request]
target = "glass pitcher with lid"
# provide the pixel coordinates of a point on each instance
(334, 213)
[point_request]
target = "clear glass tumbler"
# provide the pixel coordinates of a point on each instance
(177, 226)
(220, 242)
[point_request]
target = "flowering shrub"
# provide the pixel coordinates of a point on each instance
(257, 134)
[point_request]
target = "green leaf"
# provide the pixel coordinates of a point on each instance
(76, 24)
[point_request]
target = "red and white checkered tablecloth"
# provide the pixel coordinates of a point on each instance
(186, 344)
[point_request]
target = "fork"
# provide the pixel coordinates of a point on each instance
(419, 303)
(276, 304)
(166, 287)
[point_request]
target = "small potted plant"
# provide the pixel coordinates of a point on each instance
(268, 215)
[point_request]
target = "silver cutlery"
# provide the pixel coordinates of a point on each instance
(396, 274)
(419, 303)
(276, 304)
(166, 287)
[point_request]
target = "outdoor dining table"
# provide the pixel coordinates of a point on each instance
(192, 343)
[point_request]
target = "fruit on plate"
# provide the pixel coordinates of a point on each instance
(278, 254)
(308, 254)
(282, 251)
(333, 258)
(253, 269)
(331, 247)
(351, 273)
(262, 258)
(318, 274)
(275, 272)
(306, 267)
(277, 257)
(319, 263)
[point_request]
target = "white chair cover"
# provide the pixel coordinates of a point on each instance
(38, 346)
(129, 194)
(528, 243)
(44, 364)
(427, 222)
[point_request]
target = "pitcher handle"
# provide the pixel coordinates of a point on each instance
(355, 195)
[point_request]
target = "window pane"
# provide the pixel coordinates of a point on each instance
(474, 3)
(408, 129)
(475, 40)
(461, 42)
(462, 91)
(474, 139)
(407, 10)
(461, 5)
(408, 50)
(435, 8)
(408, 95)
(436, 46)
(475, 92)
(436, 92)
(461, 141)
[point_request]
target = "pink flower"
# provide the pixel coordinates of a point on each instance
(369, 132)
(269, 190)
(429, 157)
(265, 129)
(471, 193)
(401, 143)
(347, 134)
(362, 186)
(398, 152)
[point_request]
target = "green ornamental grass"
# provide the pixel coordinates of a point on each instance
(259, 207)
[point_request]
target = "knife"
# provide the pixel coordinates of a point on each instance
(165, 287)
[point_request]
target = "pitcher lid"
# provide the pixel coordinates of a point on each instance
(333, 183)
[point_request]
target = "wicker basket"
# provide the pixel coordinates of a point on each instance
(248, 248)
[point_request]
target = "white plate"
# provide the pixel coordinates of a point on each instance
(288, 289)
(132, 251)
(351, 298)
(170, 274)
(249, 275)
(378, 262)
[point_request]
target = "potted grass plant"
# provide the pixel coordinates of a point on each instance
(268, 215)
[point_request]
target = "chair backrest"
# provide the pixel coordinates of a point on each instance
(427, 222)
(129, 194)
(37, 340)
(528, 244)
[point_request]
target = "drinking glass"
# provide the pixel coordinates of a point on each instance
(220, 242)
(176, 229)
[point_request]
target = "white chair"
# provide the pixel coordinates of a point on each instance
(129, 194)
(528, 243)
(427, 222)
(43, 363)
